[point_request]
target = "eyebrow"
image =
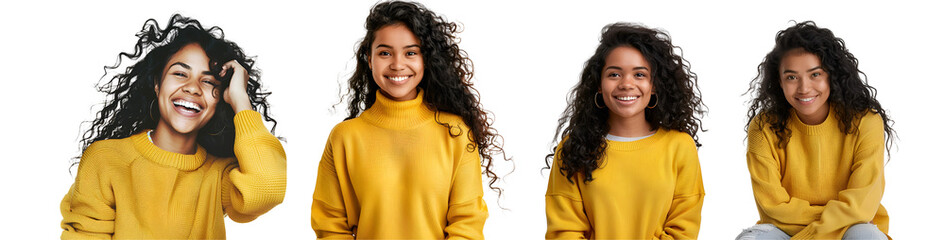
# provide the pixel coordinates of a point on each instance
(388, 46)
(618, 68)
(184, 65)
(808, 70)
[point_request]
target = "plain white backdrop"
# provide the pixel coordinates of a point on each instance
(527, 56)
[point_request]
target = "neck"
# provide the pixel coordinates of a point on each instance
(629, 127)
(168, 139)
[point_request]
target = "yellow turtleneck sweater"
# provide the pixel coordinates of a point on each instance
(130, 189)
(644, 189)
(823, 181)
(395, 173)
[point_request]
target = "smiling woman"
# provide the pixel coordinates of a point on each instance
(627, 168)
(166, 149)
(815, 142)
(414, 145)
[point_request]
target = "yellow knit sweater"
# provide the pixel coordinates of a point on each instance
(823, 181)
(131, 189)
(395, 173)
(645, 189)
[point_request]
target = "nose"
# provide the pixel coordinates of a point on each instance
(804, 85)
(397, 62)
(626, 84)
(192, 86)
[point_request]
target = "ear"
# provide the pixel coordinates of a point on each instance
(156, 88)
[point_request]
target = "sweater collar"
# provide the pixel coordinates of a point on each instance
(388, 113)
(829, 125)
(638, 144)
(171, 159)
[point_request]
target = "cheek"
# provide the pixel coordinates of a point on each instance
(418, 66)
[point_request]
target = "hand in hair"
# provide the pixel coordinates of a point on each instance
(238, 98)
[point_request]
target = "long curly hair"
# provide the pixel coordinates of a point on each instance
(129, 107)
(447, 76)
(850, 95)
(583, 127)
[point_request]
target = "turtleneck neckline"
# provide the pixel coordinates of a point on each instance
(392, 114)
(185, 162)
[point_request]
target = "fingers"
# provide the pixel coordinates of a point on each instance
(237, 68)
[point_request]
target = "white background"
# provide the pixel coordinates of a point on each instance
(527, 56)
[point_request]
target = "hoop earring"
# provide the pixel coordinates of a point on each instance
(595, 100)
(654, 104)
(150, 109)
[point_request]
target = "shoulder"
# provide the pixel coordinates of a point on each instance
(759, 123)
(678, 138)
(109, 151)
(347, 128)
(871, 120)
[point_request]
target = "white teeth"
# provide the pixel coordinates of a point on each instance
(188, 105)
(807, 99)
(627, 98)
(397, 79)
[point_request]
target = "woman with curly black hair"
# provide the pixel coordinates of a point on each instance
(816, 142)
(626, 165)
(178, 143)
(406, 162)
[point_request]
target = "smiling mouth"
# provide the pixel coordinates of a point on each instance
(806, 100)
(398, 79)
(188, 106)
(626, 98)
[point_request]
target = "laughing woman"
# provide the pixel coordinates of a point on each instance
(405, 164)
(178, 144)
(626, 166)
(816, 142)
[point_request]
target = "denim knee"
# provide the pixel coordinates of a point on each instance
(764, 231)
(864, 231)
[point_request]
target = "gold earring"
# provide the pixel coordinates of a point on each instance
(595, 100)
(654, 104)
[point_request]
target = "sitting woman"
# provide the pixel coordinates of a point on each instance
(816, 142)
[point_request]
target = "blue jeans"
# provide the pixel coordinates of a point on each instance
(767, 231)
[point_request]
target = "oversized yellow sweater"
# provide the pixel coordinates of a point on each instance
(823, 181)
(131, 189)
(645, 189)
(395, 173)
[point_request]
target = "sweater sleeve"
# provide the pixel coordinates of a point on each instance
(88, 209)
(564, 207)
(329, 215)
(860, 201)
(467, 211)
(257, 182)
(772, 198)
(685, 214)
